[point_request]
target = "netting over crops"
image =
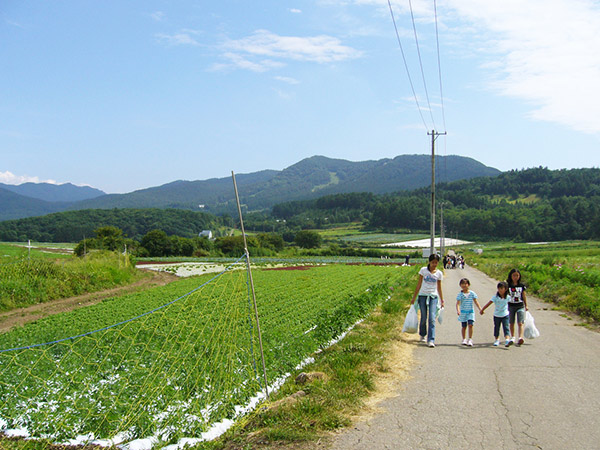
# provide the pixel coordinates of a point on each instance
(169, 363)
(167, 373)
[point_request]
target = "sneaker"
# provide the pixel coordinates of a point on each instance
(431, 344)
(423, 339)
(464, 342)
(496, 343)
(509, 342)
(521, 341)
(470, 342)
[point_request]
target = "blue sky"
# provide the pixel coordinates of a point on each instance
(125, 95)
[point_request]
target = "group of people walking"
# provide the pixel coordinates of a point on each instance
(510, 305)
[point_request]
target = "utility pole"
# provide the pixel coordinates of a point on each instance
(434, 136)
(442, 231)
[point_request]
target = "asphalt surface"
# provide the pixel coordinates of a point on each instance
(544, 394)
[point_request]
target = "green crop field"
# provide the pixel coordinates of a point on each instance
(171, 362)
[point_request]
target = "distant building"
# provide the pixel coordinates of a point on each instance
(206, 233)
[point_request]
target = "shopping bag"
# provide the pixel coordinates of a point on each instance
(530, 331)
(411, 322)
(440, 314)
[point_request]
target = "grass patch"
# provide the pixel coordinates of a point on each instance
(36, 280)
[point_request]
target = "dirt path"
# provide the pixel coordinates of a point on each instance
(544, 394)
(20, 316)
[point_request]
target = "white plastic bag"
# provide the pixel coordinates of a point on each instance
(440, 315)
(530, 331)
(411, 322)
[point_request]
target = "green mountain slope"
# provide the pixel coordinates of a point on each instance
(310, 178)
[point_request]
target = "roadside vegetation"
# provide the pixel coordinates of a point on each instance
(564, 273)
(36, 279)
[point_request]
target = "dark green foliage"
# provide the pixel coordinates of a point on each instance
(74, 226)
(529, 205)
(308, 239)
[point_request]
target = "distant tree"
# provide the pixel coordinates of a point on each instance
(107, 238)
(111, 237)
(234, 245)
(157, 243)
(308, 239)
(272, 241)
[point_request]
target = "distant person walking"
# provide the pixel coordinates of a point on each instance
(429, 291)
(464, 308)
(517, 303)
(501, 317)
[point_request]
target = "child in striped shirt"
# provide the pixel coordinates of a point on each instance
(464, 308)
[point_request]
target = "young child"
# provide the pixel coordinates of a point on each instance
(517, 303)
(500, 314)
(464, 309)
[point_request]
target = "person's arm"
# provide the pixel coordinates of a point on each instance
(439, 289)
(524, 297)
(477, 303)
(457, 306)
(418, 288)
(485, 307)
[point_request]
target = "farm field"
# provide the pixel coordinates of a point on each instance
(37, 249)
(173, 362)
(564, 273)
(354, 234)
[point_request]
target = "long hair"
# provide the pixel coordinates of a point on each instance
(509, 279)
(431, 258)
(503, 284)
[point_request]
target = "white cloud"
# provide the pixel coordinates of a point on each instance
(236, 60)
(287, 80)
(158, 15)
(184, 37)
(295, 11)
(273, 49)
(543, 52)
(10, 178)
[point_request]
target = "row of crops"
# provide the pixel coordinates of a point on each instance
(169, 363)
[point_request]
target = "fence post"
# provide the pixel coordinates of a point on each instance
(262, 355)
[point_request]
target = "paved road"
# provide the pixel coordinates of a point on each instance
(544, 394)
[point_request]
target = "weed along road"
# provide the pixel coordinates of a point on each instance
(544, 394)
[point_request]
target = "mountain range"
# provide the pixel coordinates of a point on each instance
(309, 178)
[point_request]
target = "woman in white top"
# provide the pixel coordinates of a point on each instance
(428, 291)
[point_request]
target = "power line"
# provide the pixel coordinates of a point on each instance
(406, 67)
(437, 40)
(421, 62)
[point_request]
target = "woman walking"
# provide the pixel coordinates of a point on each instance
(429, 291)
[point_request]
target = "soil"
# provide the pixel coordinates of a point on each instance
(21, 316)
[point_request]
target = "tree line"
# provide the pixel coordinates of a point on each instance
(535, 204)
(520, 205)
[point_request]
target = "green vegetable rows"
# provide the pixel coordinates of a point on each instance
(175, 372)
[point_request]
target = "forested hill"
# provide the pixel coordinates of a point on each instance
(310, 178)
(526, 205)
(74, 226)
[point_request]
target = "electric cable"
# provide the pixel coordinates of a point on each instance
(406, 67)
